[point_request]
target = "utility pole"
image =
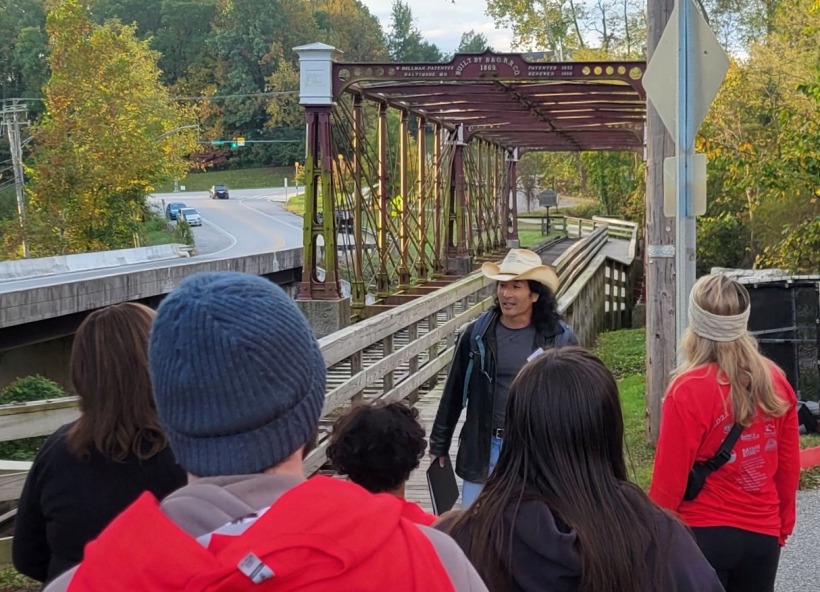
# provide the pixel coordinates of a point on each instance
(660, 241)
(12, 120)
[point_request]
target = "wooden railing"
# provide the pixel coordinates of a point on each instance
(402, 351)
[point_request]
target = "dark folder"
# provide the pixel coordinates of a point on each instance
(443, 486)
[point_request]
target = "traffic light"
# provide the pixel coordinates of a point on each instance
(233, 144)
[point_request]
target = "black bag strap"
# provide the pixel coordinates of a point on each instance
(724, 453)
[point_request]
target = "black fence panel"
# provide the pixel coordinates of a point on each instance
(785, 319)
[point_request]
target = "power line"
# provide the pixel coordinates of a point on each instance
(194, 98)
(11, 120)
(237, 96)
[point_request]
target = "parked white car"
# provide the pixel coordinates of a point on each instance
(191, 216)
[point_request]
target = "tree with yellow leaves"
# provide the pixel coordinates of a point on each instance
(109, 134)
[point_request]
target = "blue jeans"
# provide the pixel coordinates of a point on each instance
(470, 490)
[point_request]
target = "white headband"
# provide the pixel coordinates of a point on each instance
(717, 327)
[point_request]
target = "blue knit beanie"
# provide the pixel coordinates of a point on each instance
(238, 377)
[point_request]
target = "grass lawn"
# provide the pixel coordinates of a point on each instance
(624, 354)
(296, 204)
(157, 232)
(234, 179)
(530, 238)
(12, 581)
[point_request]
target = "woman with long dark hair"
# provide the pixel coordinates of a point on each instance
(558, 512)
(727, 395)
(90, 470)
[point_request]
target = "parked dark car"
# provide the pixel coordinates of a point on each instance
(219, 192)
(173, 208)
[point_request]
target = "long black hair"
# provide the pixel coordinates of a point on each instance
(563, 447)
(544, 310)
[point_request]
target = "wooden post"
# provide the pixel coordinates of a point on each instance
(660, 251)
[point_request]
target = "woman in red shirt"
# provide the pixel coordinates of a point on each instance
(746, 508)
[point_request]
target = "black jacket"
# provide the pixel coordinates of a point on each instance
(473, 457)
(546, 553)
(67, 501)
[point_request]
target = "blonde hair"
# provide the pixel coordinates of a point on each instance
(749, 373)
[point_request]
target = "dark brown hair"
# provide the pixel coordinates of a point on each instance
(377, 445)
(563, 447)
(109, 372)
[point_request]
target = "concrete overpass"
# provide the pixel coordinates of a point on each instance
(39, 316)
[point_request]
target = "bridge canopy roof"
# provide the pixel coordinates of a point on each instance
(511, 101)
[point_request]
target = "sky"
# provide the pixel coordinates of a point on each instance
(443, 21)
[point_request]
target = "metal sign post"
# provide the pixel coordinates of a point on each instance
(685, 150)
(681, 80)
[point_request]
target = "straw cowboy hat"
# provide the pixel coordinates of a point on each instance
(522, 264)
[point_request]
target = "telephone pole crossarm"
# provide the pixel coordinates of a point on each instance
(10, 118)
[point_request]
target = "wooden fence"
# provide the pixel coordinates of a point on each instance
(402, 351)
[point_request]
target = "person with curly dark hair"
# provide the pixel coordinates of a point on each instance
(489, 354)
(377, 446)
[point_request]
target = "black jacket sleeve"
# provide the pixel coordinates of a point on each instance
(30, 552)
(449, 408)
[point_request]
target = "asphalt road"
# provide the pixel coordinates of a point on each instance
(252, 221)
(799, 569)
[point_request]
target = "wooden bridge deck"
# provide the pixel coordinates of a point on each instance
(417, 490)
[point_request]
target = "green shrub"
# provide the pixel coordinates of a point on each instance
(183, 233)
(27, 388)
(587, 210)
(31, 388)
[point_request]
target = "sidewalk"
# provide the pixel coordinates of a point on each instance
(800, 561)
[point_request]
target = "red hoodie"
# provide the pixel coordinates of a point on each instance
(756, 489)
(324, 534)
(413, 512)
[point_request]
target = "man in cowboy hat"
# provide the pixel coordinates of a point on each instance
(491, 351)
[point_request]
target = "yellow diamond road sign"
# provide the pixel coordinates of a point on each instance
(709, 61)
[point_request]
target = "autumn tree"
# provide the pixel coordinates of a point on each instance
(345, 24)
(550, 24)
(108, 136)
(472, 42)
(23, 66)
(182, 39)
(405, 42)
(349, 26)
(530, 176)
(761, 139)
(612, 178)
